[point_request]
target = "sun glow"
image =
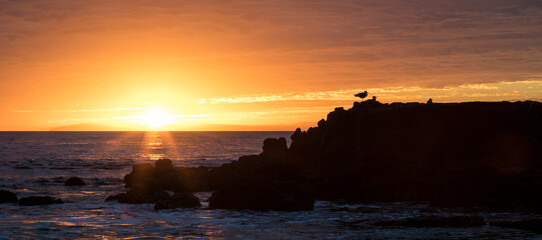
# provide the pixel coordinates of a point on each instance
(156, 118)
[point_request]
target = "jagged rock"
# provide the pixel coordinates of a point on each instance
(165, 164)
(142, 194)
(456, 154)
(274, 147)
(260, 196)
(140, 173)
(436, 221)
(178, 200)
(7, 197)
(116, 197)
(74, 181)
(167, 177)
(39, 200)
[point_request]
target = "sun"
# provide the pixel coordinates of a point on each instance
(156, 118)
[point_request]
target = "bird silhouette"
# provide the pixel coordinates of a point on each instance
(362, 95)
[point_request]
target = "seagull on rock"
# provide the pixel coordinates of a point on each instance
(362, 95)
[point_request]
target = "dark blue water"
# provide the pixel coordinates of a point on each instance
(38, 163)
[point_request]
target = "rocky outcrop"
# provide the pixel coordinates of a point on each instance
(178, 200)
(74, 181)
(7, 197)
(140, 194)
(456, 154)
(148, 184)
(39, 200)
(167, 177)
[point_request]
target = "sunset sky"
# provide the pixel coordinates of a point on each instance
(271, 65)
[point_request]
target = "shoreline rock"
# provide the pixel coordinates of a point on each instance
(7, 197)
(74, 181)
(178, 200)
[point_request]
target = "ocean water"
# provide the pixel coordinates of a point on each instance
(38, 163)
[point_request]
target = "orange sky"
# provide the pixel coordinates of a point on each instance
(213, 65)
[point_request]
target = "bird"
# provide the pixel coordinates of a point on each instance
(362, 95)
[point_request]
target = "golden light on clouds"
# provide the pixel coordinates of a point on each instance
(222, 65)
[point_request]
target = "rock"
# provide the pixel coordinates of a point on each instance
(39, 200)
(178, 200)
(7, 197)
(141, 173)
(116, 197)
(141, 194)
(274, 147)
(74, 181)
(260, 196)
(436, 221)
(167, 177)
(163, 164)
(533, 225)
(450, 154)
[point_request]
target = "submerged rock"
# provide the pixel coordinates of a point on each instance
(178, 200)
(39, 200)
(74, 181)
(436, 221)
(7, 197)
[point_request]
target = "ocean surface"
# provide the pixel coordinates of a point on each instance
(38, 163)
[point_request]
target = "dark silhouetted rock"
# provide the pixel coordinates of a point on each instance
(167, 177)
(7, 197)
(74, 181)
(274, 147)
(261, 196)
(164, 164)
(116, 197)
(178, 200)
(533, 225)
(141, 173)
(39, 200)
(142, 194)
(436, 221)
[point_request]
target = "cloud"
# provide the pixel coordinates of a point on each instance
(95, 110)
(78, 120)
(468, 92)
(79, 110)
(322, 43)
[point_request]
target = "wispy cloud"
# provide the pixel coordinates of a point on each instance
(186, 116)
(25, 111)
(78, 120)
(78, 110)
(95, 110)
(502, 89)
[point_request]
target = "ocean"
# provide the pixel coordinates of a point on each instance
(38, 163)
